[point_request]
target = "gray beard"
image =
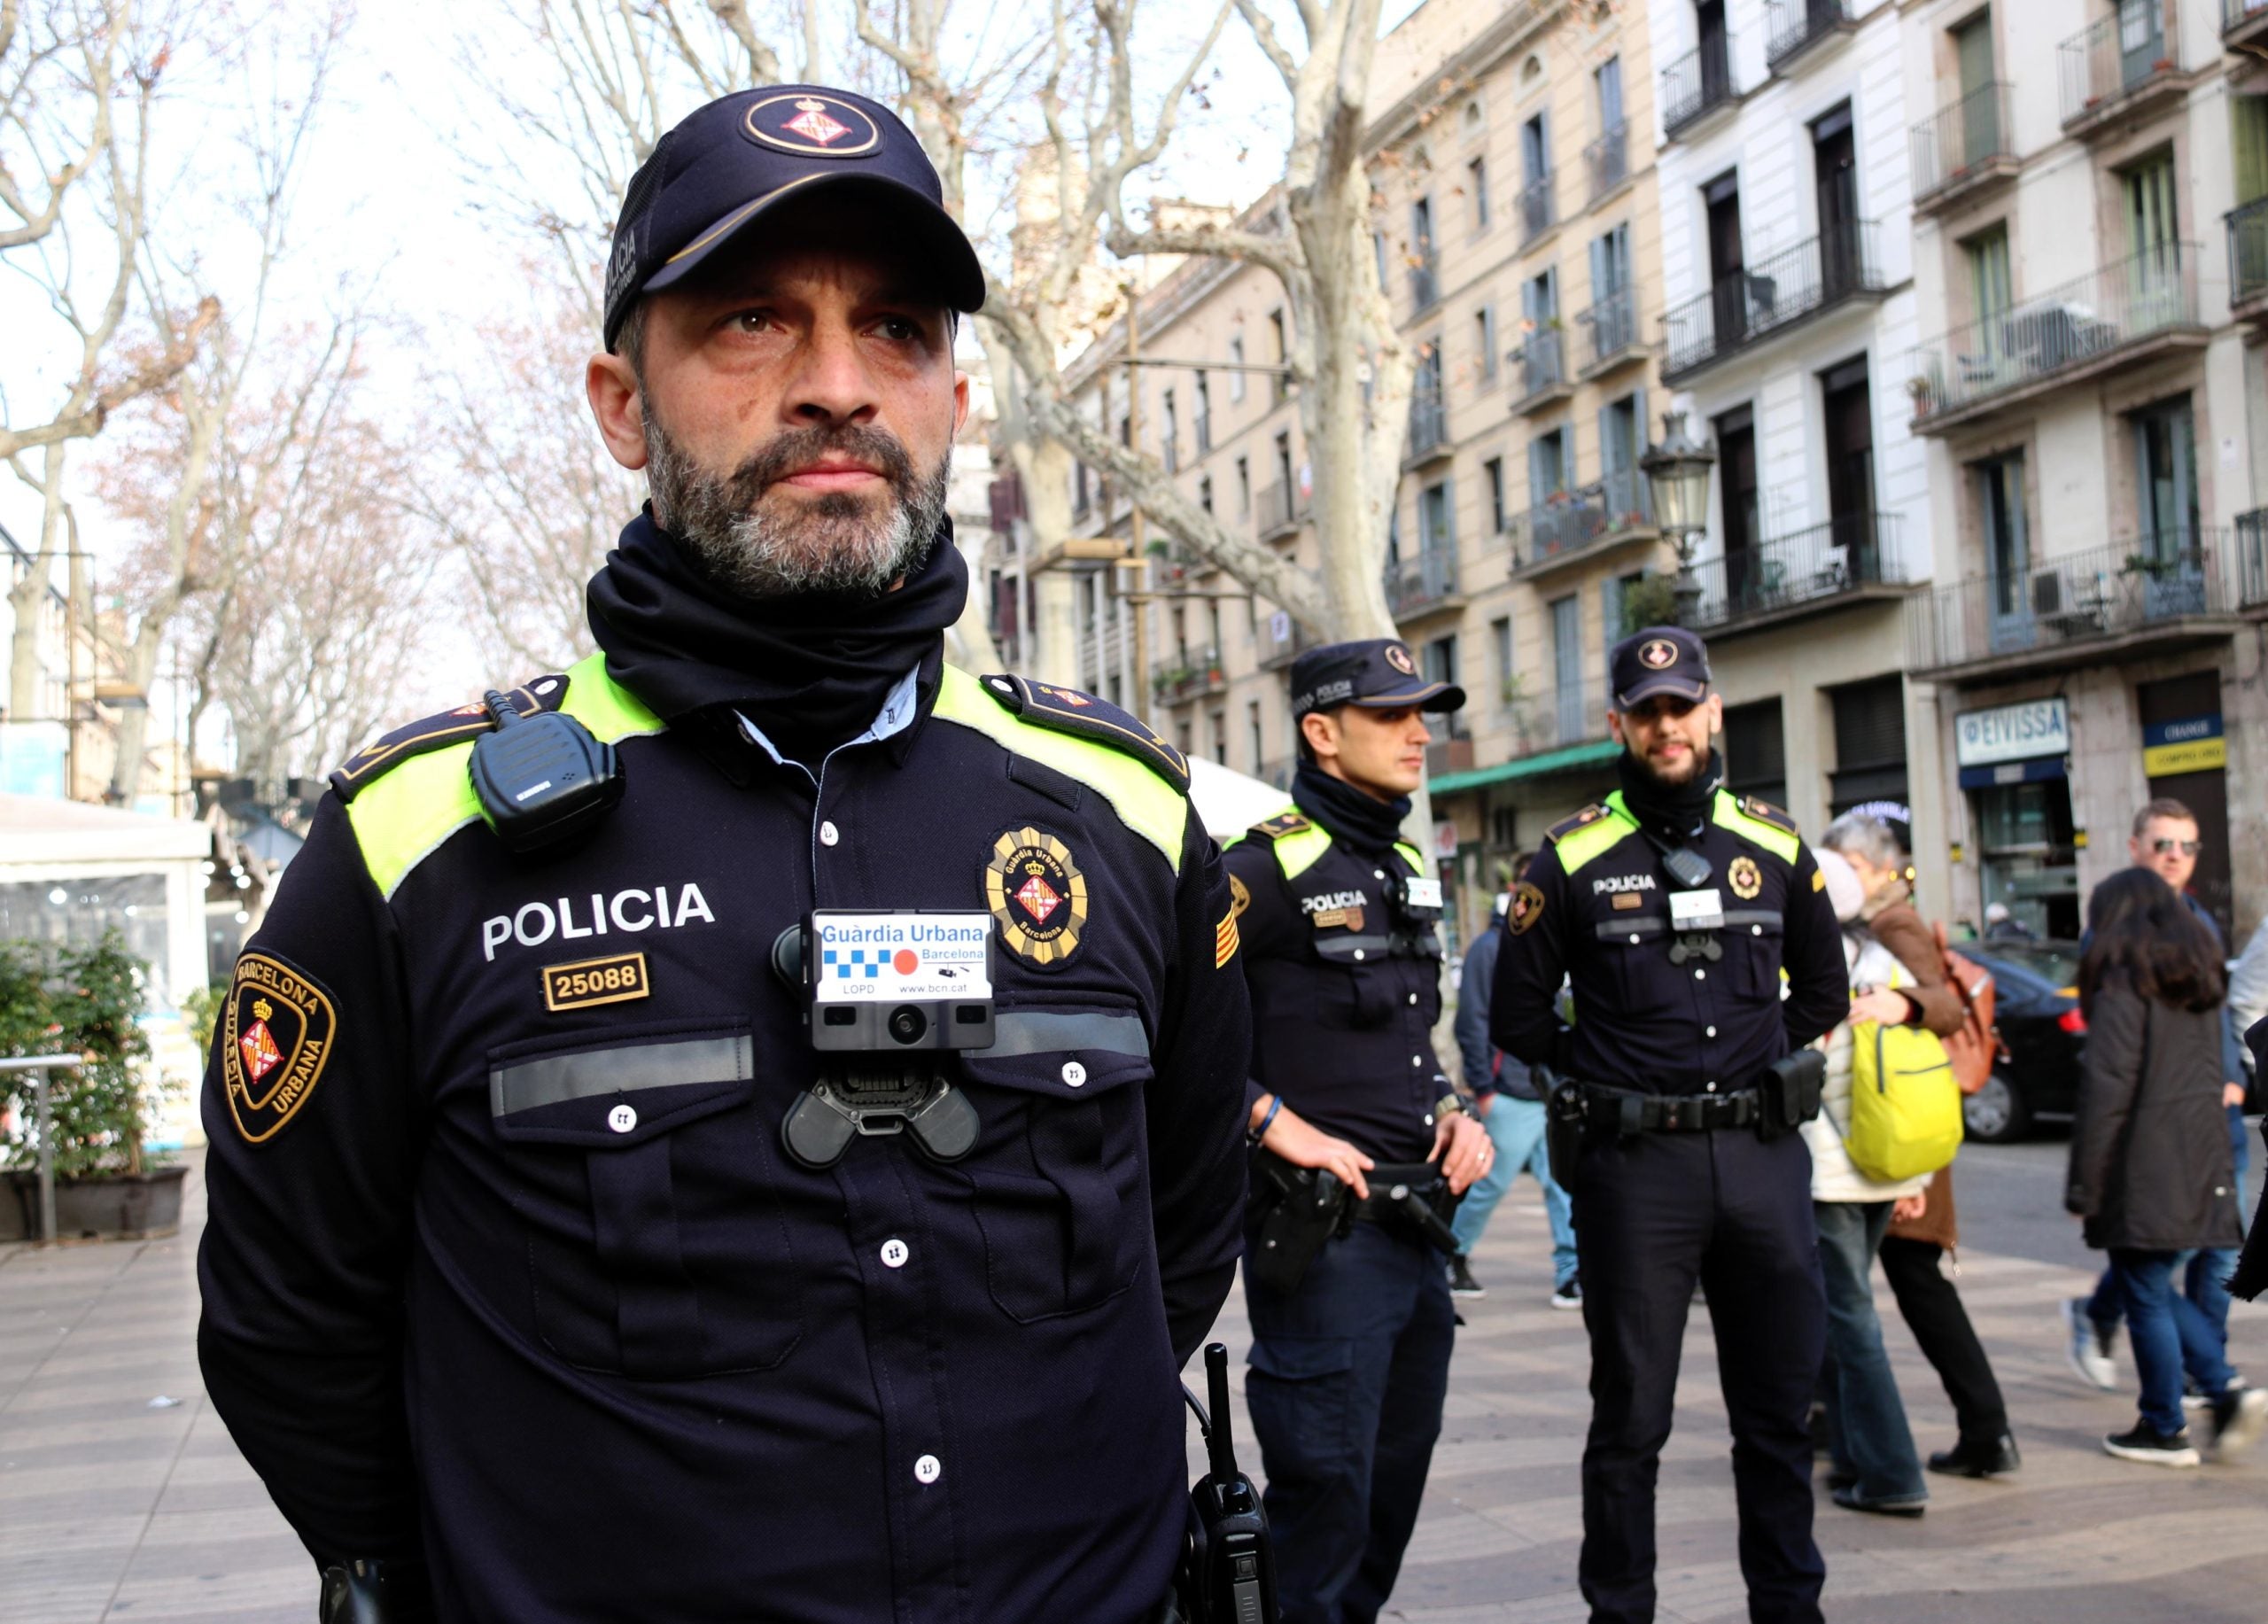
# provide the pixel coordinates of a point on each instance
(840, 543)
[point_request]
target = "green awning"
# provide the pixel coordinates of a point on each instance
(1568, 757)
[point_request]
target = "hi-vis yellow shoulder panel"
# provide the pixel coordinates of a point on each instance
(402, 809)
(1130, 775)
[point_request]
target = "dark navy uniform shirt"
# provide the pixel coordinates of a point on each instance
(1344, 992)
(1595, 908)
(506, 1260)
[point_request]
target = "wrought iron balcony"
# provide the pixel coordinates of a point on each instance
(1417, 586)
(1555, 715)
(1794, 27)
(1614, 323)
(1776, 292)
(1697, 84)
(1607, 160)
(2120, 62)
(1571, 525)
(2251, 544)
(2244, 23)
(1279, 509)
(1190, 673)
(1848, 554)
(2149, 588)
(2120, 313)
(2247, 229)
(1536, 207)
(1429, 427)
(1542, 367)
(1965, 147)
(1282, 639)
(1425, 284)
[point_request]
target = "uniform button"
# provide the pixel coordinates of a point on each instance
(929, 1469)
(1634, 938)
(1074, 1074)
(1416, 1059)
(1413, 1000)
(1358, 953)
(1712, 1087)
(828, 834)
(1756, 930)
(1700, 975)
(622, 1119)
(1429, 1122)
(1377, 874)
(1709, 1031)
(895, 1253)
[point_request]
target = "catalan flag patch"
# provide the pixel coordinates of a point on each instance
(1224, 939)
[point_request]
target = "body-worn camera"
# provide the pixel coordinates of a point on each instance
(884, 994)
(1414, 898)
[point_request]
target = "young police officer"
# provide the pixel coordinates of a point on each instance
(1361, 1143)
(561, 1265)
(1673, 909)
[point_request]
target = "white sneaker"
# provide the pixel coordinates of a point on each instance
(2237, 1420)
(2087, 1347)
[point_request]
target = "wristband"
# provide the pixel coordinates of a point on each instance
(1261, 1132)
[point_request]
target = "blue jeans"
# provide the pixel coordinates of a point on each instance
(1872, 1440)
(1516, 1128)
(2205, 1271)
(2170, 1334)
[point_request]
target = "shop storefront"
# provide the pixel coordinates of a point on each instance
(2014, 767)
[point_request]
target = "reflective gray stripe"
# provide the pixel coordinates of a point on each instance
(1032, 1031)
(1337, 948)
(524, 1085)
(1755, 916)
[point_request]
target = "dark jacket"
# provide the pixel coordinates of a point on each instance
(2151, 1169)
(1487, 1068)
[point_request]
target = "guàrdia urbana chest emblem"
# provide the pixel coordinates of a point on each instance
(277, 1030)
(1033, 886)
(1746, 879)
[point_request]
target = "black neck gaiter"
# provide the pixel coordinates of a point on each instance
(1677, 812)
(1365, 823)
(809, 669)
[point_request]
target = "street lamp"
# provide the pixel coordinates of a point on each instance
(1677, 474)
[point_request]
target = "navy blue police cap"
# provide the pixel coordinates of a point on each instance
(721, 168)
(1378, 674)
(1659, 659)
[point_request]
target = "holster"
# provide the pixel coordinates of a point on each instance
(1301, 1209)
(374, 1592)
(1790, 1088)
(1564, 1128)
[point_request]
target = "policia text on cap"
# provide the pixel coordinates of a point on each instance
(562, 1265)
(1673, 909)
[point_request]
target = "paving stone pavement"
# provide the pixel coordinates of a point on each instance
(112, 1510)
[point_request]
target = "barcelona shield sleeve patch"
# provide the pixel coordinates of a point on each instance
(276, 1030)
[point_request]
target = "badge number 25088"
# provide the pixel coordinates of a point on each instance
(590, 982)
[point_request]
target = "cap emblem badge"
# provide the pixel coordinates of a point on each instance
(813, 121)
(1398, 657)
(1659, 655)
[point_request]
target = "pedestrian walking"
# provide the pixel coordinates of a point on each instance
(1914, 1250)
(1874, 1466)
(2164, 841)
(1694, 929)
(2151, 1170)
(1509, 1104)
(587, 1242)
(1362, 1146)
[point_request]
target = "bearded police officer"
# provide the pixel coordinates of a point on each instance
(749, 1126)
(1694, 929)
(1362, 1147)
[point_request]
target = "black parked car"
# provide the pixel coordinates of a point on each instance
(2042, 1034)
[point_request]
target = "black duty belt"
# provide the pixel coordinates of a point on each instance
(1422, 1179)
(1622, 1110)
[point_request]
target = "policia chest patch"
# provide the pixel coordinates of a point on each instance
(1037, 894)
(276, 1034)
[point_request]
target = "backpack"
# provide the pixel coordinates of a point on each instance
(1972, 1049)
(1905, 1103)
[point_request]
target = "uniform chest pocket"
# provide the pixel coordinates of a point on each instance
(1358, 988)
(657, 1246)
(1057, 1180)
(1754, 950)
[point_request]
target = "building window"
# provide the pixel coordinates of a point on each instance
(1204, 414)
(1172, 433)
(1424, 280)
(1281, 355)
(1243, 487)
(1441, 666)
(1219, 723)
(1870, 744)
(1236, 378)
(1756, 751)
(1492, 471)
(1205, 494)
(1476, 181)
(1500, 645)
(1484, 334)
(1256, 736)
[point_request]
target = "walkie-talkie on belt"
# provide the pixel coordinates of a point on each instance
(1228, 1575)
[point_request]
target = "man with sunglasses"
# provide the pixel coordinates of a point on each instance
(2165, 840)
(1694, 929)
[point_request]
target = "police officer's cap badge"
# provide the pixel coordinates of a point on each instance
(1398, 657)
(275, 1032)
(1036, 891)
(1527, 908)
(1745, 878)
(1659, 653)
(812, 126)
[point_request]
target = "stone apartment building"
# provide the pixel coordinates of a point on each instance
(2091, 267)
(1788, 314)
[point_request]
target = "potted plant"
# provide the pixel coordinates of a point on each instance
(84, 1000)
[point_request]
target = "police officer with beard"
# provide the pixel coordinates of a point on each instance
(1694, 929)
(584, 1246)
(1360, 1147)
